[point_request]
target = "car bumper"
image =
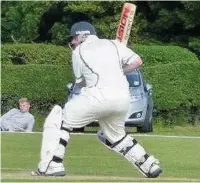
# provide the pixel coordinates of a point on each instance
(134, 119)
(136, 122)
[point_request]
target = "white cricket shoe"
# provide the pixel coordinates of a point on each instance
(54, 169)
(155, 171)
(38, 173)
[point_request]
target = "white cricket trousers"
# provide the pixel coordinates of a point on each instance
(107, 106)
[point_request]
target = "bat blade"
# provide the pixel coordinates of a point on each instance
(126, 21)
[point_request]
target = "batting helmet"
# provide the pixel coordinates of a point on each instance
(82, 28)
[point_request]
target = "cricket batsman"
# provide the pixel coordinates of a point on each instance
(99, 67)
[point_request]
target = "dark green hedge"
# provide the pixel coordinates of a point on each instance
(173, 72)
(44, 85)
(154, 55)
(52, 54)
(34, 54)
(175, 84)
(37, 82)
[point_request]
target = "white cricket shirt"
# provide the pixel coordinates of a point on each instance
(100, 62)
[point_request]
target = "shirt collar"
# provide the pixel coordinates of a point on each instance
(91, 38)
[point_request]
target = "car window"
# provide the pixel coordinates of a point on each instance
(133, 79)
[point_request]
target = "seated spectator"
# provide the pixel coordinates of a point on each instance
(18, 119)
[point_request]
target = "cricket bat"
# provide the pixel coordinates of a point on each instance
(126, 21)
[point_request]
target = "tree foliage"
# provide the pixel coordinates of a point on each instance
(20, 19)
(169, 21)
(50, 21)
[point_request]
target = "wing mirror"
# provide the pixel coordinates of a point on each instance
(148, 88)
(69, 87)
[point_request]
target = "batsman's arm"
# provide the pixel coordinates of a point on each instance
(134, 65)
(129, 59)
(75, 88)
(81, 84)
(77, 65)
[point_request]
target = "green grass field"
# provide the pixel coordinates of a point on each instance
(88, 160)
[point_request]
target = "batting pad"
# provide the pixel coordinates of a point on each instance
(134, 153)
(54, 139)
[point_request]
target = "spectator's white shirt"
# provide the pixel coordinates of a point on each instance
(100, 62)
(15, 120)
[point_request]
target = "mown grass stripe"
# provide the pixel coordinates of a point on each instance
(137, 135)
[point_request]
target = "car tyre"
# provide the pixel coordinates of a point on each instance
(148, 125)
(79, 129)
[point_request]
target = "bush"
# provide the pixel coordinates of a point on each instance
(40, 83)
(154, 55)
(8, 102)
(194, 45)
(173, 72)
(175, 84)
(59, 55)
(35, 54)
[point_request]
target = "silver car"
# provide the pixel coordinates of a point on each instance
(141, 106)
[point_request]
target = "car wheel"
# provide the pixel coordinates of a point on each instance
(79, 129)
(148, 126)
